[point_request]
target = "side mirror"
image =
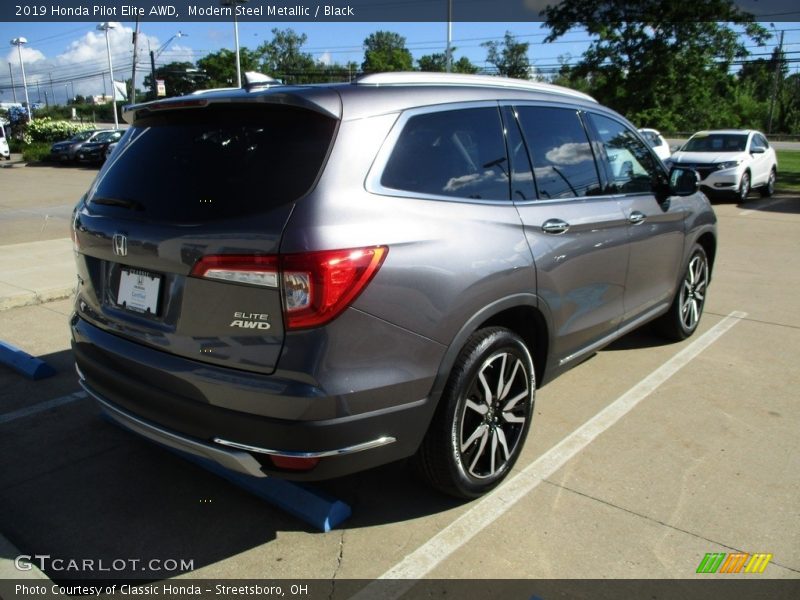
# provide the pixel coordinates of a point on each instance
(757, 150)
(683, 181)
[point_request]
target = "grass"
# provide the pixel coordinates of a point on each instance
(37, 151)
(788, 171)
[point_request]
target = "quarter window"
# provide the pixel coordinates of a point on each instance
(630, 163)
(563, 161)
(459, 153)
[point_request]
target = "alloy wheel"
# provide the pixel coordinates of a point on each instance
(693, 292)
(494, 415)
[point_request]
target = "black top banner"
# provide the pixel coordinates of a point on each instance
(323, 11)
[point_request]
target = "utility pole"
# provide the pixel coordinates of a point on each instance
(52, 89)
(13, 88)
(449, 51)
(775, 84)
(135, 56)
(153, 74)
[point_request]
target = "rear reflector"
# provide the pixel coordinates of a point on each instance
(317, 286)
(294, 463)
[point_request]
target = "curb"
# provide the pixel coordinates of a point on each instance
(34, 298)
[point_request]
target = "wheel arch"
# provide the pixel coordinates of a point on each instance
(709, 243)
(521, 313)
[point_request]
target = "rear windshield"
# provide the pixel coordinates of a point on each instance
(716, 142)
(195, 165)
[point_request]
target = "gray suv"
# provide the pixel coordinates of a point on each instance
(308, 281)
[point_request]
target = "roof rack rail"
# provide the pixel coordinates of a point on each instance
(459, 79)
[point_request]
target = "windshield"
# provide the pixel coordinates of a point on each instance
(108, 137)
(716, 142)
(82, 136)
(203, 164)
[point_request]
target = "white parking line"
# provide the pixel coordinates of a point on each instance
(750, 211)
(36, 408)
(428, 556)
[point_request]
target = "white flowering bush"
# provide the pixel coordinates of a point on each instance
(49, 130)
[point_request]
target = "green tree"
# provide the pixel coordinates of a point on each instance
(660, 64)
(336, 72)
(219, 68)
(284, 59)
(509, 57)
(788, 106)
(386, 51)
(179, 78)
(437, 63)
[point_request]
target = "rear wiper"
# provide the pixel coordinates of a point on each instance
(121, 202)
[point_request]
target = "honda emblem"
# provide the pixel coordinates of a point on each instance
(120, 244)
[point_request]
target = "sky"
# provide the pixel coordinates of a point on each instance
(74, 54)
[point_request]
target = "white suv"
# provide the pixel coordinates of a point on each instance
(730, 161)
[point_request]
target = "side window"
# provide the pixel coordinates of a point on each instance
(760, 140)
(630, 164)
(563, 162)
(521, 170)
(459, 153)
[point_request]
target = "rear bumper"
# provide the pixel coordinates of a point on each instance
(163, 397)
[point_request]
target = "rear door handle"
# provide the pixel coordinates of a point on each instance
(555, 226)
(636, 217)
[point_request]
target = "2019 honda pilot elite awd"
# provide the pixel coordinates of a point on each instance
(308, 281)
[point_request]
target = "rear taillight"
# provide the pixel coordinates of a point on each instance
(317, 286)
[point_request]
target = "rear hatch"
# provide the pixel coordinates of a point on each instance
(197, 179)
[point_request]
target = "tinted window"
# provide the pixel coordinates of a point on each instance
(716, 142)
(522, 187)
(208, 163)
(563, 162)
(630, 164)
(458, 153)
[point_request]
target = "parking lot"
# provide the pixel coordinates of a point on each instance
(640, 461)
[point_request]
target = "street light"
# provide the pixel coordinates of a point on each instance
(105, 27)
(154, 54)
(230, 3)
(18, 42)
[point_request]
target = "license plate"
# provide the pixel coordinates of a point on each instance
(138, 291)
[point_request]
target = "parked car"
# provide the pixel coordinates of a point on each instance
(67, 150)
(5, 151)
(730, 162)
(95, 150)
(306, 282)
(657, 142)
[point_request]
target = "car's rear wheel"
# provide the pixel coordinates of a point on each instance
(744, 187)
(483, 416)
(769, 189)
(684, 315)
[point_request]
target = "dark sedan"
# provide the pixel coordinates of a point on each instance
(67, 150)
(95, 151)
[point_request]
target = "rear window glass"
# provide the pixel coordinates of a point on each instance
(200, 164)
(459, 153)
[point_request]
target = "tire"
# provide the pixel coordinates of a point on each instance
(477, 433)
(769, 188)
(744, 187)
(684, 315)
